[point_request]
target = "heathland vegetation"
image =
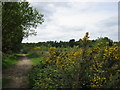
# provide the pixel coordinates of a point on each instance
(73, 64)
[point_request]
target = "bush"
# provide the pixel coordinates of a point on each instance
(79, 67)
(96, 67)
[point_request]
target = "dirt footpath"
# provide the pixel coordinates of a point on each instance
(18, 73)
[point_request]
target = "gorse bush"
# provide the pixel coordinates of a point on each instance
(95, 67)
(34, 51)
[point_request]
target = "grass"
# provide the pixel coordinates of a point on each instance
(36, 60)
(8, 62)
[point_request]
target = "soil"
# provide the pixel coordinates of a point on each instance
(18, 74)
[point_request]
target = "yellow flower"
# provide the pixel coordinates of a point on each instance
(55, 70)
(37, 48)
(99, 44)
(114, 44)
(107, 43)
(118, 70)
(117, 56)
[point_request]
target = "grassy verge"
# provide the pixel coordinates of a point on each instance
(8, 62)
(36, 60)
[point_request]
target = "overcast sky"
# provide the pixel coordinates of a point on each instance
(71, 20)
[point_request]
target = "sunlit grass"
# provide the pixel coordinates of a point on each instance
(36, 60)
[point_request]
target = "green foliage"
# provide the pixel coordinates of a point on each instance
(35, 72)
(71, 43)
(36, 52)
(9, 60)
(101, 42)
(36, 60)
(78, 67)
(17, 20)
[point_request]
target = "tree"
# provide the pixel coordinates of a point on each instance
(72, 42)
(17, 20)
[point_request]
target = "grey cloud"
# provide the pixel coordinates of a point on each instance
(63, 33)
(71, 28)
(48, 8)
(109, 22)
(62, 4)
(107, 27)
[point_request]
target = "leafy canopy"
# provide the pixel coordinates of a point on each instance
(17, 20)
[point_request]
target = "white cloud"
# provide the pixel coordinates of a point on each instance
(64, 21)
(73, 0)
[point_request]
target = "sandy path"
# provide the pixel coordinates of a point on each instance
(18, 74)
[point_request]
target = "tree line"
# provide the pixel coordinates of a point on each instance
(71, 43)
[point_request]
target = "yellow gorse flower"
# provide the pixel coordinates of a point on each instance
(37, 48)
